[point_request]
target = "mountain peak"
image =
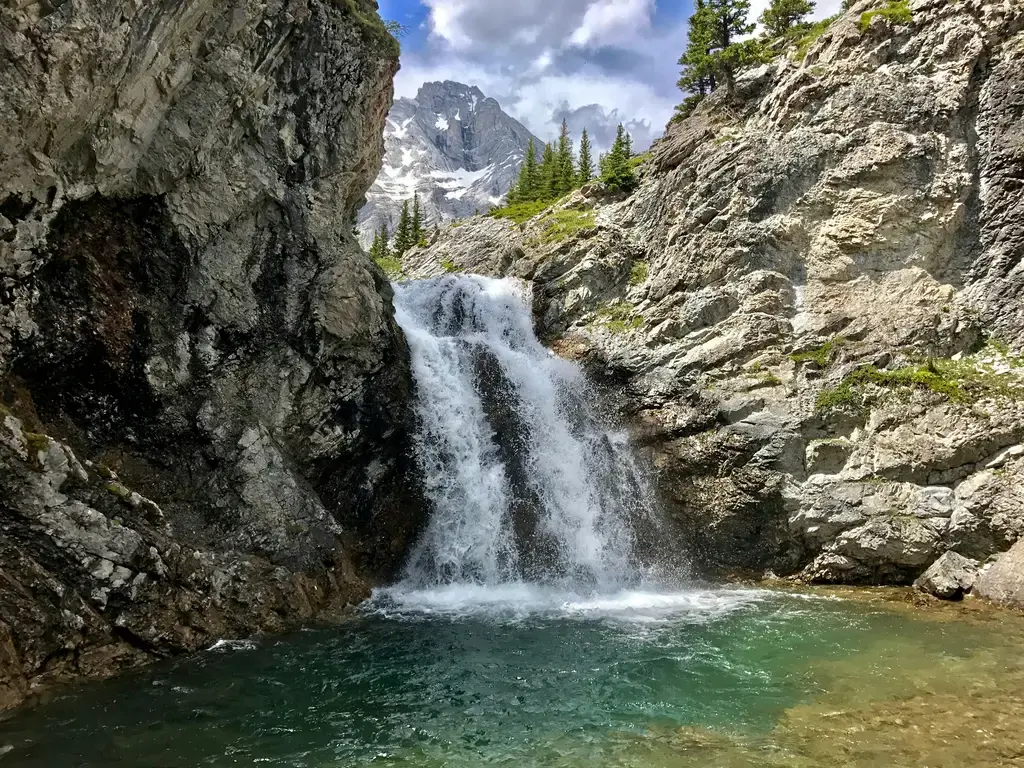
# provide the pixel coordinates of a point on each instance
(453, 146)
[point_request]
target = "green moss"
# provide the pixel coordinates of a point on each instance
(448, 266)
(771, 379)
(895, 12)
(618, 318)
(822, 355)
(520, 212)
(810, 37)
(638, 274)
(36, 443)
(392, 267)
(561, 225)
(960, 381)
(118, 490)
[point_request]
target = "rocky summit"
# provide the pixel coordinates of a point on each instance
(809, 310)
(452, 146)
(204, 391)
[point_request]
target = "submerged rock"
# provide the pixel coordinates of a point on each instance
(950, 577)
(204, 431)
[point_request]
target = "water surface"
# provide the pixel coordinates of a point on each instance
(525, 676)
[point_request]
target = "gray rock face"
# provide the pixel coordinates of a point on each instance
(1003, 581)
(854, 208)
(950, 577)
(204, 388)
(452, 145)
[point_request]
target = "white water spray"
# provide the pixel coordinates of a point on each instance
(525, 484)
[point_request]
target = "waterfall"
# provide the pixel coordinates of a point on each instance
(525, 481)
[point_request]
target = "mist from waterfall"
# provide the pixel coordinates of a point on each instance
(527, 484)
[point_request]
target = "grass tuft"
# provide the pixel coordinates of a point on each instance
(895, 12)
(822, 355)
(638, 274)
(520, 212)
(561, 225)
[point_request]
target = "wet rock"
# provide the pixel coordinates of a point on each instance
(856, 206)
(184, 308)
(1003, 581)
(950, 577)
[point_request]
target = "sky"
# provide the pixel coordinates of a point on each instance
(594, 63)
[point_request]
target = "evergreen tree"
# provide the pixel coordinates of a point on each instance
(616, 170)
(416, 233)
(564, 174)
(713, 55)
(585, 170)
(385, 249)
(547, 175)
(375, 249)
(525, 188)
(783, 15)
(403, 235)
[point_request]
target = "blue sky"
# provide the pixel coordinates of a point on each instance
(593, 62)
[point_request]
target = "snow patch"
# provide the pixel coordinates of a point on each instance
(408, 157)
(442, 122)
(473, 106)
(400, 131)
(458, 182)
(458, 115)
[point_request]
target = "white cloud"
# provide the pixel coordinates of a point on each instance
(545, 59)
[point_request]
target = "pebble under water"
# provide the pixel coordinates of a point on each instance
(522, 676)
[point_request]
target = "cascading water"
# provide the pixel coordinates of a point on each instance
(526, 484)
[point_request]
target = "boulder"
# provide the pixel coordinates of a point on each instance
(950, 577)
(1003, 581)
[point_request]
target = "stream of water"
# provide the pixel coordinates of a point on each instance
(542, 621)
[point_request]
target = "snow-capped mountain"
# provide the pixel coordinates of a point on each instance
(451, 144)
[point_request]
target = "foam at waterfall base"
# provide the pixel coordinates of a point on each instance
(520, 600)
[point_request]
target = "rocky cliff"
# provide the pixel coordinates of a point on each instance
(204, 391)
(453, 146)
(810, 309)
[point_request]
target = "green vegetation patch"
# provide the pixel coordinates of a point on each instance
(391, 265)
(822, 355)
(375, 30)
(448, 266)
(520, 212)
(895, 12)
(618, 318)
(810, 36)
(638, 274)
(960, 381)
(637, 160)
(561, 225)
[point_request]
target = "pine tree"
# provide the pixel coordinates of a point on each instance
(564, 175)
(385, 249)
(713, 55)
(698, 76)
(585, 169)
(525, 188)
(783, 15)
(416, 231)
(375, 249)
(403, 235)
(616, 170)
(547, 177)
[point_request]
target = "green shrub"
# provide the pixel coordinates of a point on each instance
(561, 225)
(895, 12)
(811, 35)
(960, 381)
(822, 355)
(391, 265)
(374, 30)
(448, 266)
(638, 274)
(618, 318)
(520, 212)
